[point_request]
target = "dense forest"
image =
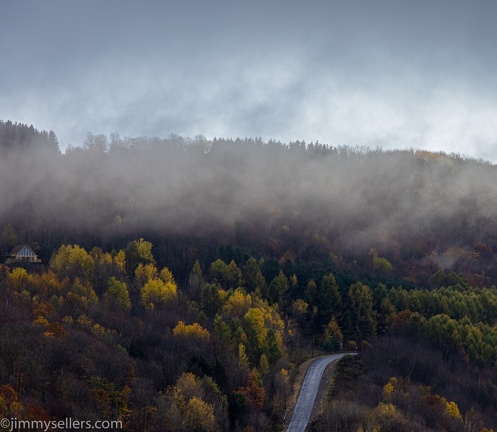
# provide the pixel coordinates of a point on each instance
(183, 281)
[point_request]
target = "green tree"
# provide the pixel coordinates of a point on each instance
(106, 266)
(139, 251)
(228, 276)
(223, 331)
(235, 276)
(84, 290)
(117, 295)
(311, 292)
(211, 299)
(196, 282)
(219, 272)
(362, 315)
(328, 301)
(272, 348)
(386, 312)
(278, 288)
(253, 276)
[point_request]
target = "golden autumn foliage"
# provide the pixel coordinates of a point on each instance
(166, 276)
(390, 386)
(300, 308)
(264, 368)
(18, 279)
(237, 304)
(157, 293)
(199, 416)
(386, 409)
(41, 321)
(333, 336)
(452, 410)
(256, 327)
(56, 329)
(72, 261)
(242, 356)
(246, 323)
(119, 260)
(145, 273)
(189, 409)
(194, 330)
(388, 389)
(45, 284)
(43, 309)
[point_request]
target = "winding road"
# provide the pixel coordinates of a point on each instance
(309, 391)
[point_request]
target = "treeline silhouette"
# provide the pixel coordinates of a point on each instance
(18, 136)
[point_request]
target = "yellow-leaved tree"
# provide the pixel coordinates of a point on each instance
(18, 279)
(193, 405)
(193, 331)
(72, 261)
(157, 293)
(145, 273)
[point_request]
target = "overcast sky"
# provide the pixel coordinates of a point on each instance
(386, 73)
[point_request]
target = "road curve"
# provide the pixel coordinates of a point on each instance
(308, 392)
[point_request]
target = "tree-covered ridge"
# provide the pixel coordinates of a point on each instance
(116, 336)
(420, 211)
(397, 397)
(110, 335)
(184, 281)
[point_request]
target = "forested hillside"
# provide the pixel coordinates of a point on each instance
(184, 280)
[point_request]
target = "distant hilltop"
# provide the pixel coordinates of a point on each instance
(418, 209)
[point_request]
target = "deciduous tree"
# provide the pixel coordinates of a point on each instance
(117, 295)
(72, 261)
(157, 293)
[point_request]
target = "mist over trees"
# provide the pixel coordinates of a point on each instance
(185, 280)
(414, 208)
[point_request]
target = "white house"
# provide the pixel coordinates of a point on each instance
(22, 253)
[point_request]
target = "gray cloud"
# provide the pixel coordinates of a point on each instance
(359, 73)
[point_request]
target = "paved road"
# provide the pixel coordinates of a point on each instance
(309, 391)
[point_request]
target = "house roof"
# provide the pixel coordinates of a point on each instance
(18, 249)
